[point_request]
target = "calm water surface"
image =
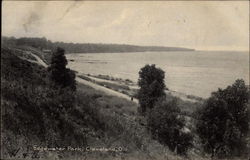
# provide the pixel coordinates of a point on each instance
(195, 73)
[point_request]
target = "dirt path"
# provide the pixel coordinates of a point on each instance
(109, 81)
(38, 59)
(101, 80)
(105, 90)
(93, 85)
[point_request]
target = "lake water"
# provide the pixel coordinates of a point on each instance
(195, 73)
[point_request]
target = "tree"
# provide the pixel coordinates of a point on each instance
(151, 83)
(224, 121)
(61, 75)
(168, 126)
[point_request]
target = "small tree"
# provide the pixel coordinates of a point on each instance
(151, 83)
(224, 121)
(61, 75)
(168, 126)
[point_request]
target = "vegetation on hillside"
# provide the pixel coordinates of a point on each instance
(222, 124)
(43, 43)
(168, 126)
(46, 107)
(151, 83)
(223, 121)
(34, 112)
(164, 119)
(37, 112)
(58, 72)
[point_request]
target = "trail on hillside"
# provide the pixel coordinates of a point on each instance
(93, 85)
(106, 90)
(38, 59)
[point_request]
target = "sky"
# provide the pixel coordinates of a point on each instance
(205, 25)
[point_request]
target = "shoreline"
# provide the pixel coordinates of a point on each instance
(129, 87)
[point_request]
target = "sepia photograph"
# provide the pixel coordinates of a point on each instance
(125, 80)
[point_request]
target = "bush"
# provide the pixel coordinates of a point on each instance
(224, 121)
(168, 126)
(59, 73)
(151, 83)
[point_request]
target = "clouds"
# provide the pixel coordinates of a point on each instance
(196, 24)
(34, 17)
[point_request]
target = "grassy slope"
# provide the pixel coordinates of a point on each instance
(32, 115)
(122, 128)
(187, 107)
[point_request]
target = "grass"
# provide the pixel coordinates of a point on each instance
(118, 105)
(121, 127)
(23, 55)
(44, 56)
(187, 107)
(34, 113)
(116, 87)
(111, 78)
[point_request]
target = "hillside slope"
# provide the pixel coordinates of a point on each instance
(87, 124)
(36, 113)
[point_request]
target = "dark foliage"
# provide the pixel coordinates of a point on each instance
(27, 85)
(43, 43)
(151, 83)
(168, 126)
(224, 121)
(34, 113)
(59, 73)
(40, 43)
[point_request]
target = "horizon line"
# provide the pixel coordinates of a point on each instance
(140, 45)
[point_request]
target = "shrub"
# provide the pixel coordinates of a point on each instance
(224, 121)
(168, 126)
(59, 73)
(151, 83)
